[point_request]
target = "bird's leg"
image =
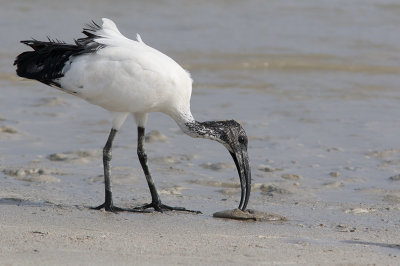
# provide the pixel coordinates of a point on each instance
(108, 203)
(143, 161)
(155, 198)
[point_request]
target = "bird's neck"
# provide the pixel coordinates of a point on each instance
(207, 130)
(195, 129)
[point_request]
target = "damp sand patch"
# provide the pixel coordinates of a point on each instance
(155, 136)
(175, 190)
(6, 131)
(49, 102)
(216, 166)
(213, 183)
(176, 159)
(395, 178)
(39, 175)
(81, 156)
(249, 215)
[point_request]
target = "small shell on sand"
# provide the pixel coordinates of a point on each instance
(253, 215)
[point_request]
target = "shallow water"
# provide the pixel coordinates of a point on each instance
(316, 86)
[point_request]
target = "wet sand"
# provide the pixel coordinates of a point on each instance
(337, 213)
(320, 108)
(44, 233)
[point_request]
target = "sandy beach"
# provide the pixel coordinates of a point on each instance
(49, 234)
(315, 85)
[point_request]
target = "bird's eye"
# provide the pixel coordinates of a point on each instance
(242, 139)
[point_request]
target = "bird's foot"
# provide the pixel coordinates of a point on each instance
(111, 208)
(162, 207)
(108, 207)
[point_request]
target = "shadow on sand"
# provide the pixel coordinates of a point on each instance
(25, 202)
(383, 245)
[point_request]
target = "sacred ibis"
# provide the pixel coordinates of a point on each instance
(129, 77)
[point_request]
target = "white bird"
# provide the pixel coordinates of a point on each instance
(129, 77)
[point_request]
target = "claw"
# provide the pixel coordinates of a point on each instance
(159, 207)
(108, 208)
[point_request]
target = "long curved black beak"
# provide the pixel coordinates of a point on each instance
(241, 159)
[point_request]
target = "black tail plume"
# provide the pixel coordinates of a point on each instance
(47, 60)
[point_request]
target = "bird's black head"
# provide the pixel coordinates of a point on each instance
(232, 135)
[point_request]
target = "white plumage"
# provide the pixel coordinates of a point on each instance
(128, 76)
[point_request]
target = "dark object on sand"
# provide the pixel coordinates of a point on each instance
(249, 214)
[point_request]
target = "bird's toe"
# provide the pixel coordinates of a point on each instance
(159, 207)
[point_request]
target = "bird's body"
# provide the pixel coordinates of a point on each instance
(125, 77)
(141, 85)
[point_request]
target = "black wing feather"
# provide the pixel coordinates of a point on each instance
(48, 58)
